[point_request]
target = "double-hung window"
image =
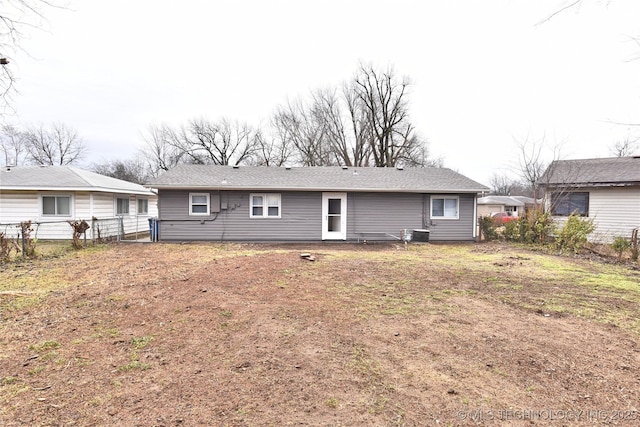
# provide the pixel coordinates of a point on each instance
(570, 204)
(56, 205)
(143, 206)
(199, 203)
(266, 205)
(444, 207)
(122, 206)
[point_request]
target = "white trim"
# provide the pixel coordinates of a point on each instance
(115, 200)
(56, 195)
(138, 199)
(191, 204)
(342, 233)
(475, 216)
(445, 197)
(265, 206)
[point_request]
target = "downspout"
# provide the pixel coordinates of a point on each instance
(475, 216)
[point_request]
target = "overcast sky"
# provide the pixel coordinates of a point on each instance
(484, 74)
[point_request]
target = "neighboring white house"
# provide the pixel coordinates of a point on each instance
(513, 205)
(49, 196)
(606, 190)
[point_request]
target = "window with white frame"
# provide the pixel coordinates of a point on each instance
(122, 206)
(444, 207)
(199, 203)
(58, 205)
(266, 205)
(143, 206)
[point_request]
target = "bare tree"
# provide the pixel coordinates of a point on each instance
(304, 128)
(625, 148)
(276, 152)
(13, 145)
(220, 143)
(133, 170)
(160, 152)
(346, 123)
(56, 145)
(201, 141)
(384, 97)
(15, 17)
(501, 184)
(532, 166)
(566, 5)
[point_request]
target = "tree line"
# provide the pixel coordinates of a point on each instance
(363, 122)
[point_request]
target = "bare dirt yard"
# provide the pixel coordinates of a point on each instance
(367, 335)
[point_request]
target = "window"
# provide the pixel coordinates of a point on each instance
(444, 207)
(122, 206)
(56, 205)
(570, 203)
(199, 203)
(143, 207)
(265, 205)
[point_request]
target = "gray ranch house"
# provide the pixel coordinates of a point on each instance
(605, 190)
(257, 203)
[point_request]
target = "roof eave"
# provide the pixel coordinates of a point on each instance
(592, 184)
(317, 189)
(83, 189)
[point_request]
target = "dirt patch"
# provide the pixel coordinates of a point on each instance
(199, 334)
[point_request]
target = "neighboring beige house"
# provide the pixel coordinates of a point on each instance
(49, 196)
(513, 205)
(605, 190)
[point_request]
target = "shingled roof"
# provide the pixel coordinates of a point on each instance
(369, 179)
(615, 171)
(63, 178)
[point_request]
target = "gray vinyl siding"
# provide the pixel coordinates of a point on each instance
(381, 216)
(300, 218)
(460, 229)
(370, 216)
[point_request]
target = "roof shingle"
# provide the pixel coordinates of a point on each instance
(584, 172)
(333, 178)
(63, 178)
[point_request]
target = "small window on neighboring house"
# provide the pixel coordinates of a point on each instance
(444, 207)
(199, 203)
(265, 205)
(565, 204)
(143, 207)
(122, 206)
(56, 205)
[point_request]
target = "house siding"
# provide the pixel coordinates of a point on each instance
(615, 212)
(378, 216)
(460, 229)
(18, 206)
(371, 216)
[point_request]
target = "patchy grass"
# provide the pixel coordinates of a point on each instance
(228, 334)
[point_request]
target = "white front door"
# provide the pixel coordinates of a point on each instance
(334, 216)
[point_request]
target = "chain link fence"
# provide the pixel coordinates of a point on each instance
(100, 229)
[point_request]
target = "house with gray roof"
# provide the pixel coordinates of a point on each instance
(606, 190)
(257, 203)
(49, 196)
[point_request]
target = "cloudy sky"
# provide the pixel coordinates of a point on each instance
(485, 75)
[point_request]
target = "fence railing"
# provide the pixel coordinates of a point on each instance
(115, 228)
